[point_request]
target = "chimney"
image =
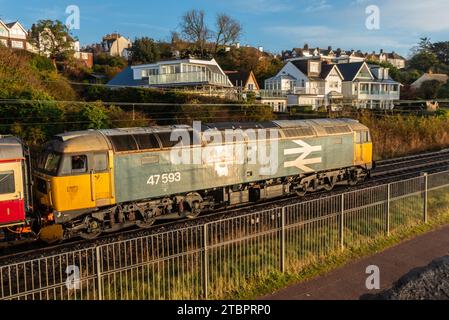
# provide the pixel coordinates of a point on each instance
(306, 46)
(381, 51)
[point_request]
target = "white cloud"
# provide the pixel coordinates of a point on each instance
(318, 5)
(263, 6)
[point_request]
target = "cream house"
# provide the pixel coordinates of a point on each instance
(116, 45)
(13, 35)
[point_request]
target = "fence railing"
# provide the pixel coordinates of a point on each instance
(216, 259)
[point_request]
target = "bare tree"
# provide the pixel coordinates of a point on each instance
(228, 31)
(194, 28)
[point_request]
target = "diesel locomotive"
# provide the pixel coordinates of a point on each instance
(90, 182)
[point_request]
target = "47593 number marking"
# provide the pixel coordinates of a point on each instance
(164, 178)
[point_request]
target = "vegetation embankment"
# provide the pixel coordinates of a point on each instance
(51, 105)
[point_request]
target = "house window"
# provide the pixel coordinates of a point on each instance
(250, 86)
(364, 88)
(17, 44)
(314, 67)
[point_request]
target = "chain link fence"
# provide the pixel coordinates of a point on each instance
(217, 259)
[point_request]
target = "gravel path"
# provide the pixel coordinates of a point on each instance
(427, 283)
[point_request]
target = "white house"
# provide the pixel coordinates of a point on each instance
(306, 82)
(173, 73)
(368, 86)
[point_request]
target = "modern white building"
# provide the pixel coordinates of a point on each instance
(174, 73)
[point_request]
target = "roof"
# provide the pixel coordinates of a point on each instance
(241, 78)
(302, 65)
(440, 77)
(326, 69)
(281, 76)
(238, 78)
(94, 140)
(12, 24)
(349, 70)
(10, 148)
(125, 78)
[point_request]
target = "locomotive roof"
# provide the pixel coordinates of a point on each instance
(10, 148)
(96, 140)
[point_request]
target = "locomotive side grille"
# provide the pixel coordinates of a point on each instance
(337, 129)
(298, 132)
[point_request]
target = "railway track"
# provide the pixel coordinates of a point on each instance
(386, 171)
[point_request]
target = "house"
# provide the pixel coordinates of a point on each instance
(306, 82)
(13, 35)
(244, 81)
(391, 57)
(329, 55)
(86, 58)
(185, 73)
(368, 86)
(440, 77)
(116, 45)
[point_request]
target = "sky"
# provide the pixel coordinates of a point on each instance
(275, 25)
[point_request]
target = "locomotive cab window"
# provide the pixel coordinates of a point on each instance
(7, 183)
(362, 137)
(100, 162)
(79, 164)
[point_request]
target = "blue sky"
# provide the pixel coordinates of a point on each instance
(275, 25)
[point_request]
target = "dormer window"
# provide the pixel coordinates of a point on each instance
(314, 67)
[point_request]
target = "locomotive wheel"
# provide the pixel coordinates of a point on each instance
(330, 185)
(195, 211)
(93, 230)
(145, 224)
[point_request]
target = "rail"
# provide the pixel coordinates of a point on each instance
(215, 259)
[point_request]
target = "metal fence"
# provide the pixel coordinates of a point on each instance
(217, 259)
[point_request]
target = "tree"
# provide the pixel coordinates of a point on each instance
(194, 28)
(144, 50)
(424, 61)
(429, 89)
(52, 38)
(228, 31)
(441, 50)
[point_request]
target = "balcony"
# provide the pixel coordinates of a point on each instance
(274, 93)
(199, 77)
(308, 90)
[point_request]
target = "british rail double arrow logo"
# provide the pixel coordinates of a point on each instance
(301, 162)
